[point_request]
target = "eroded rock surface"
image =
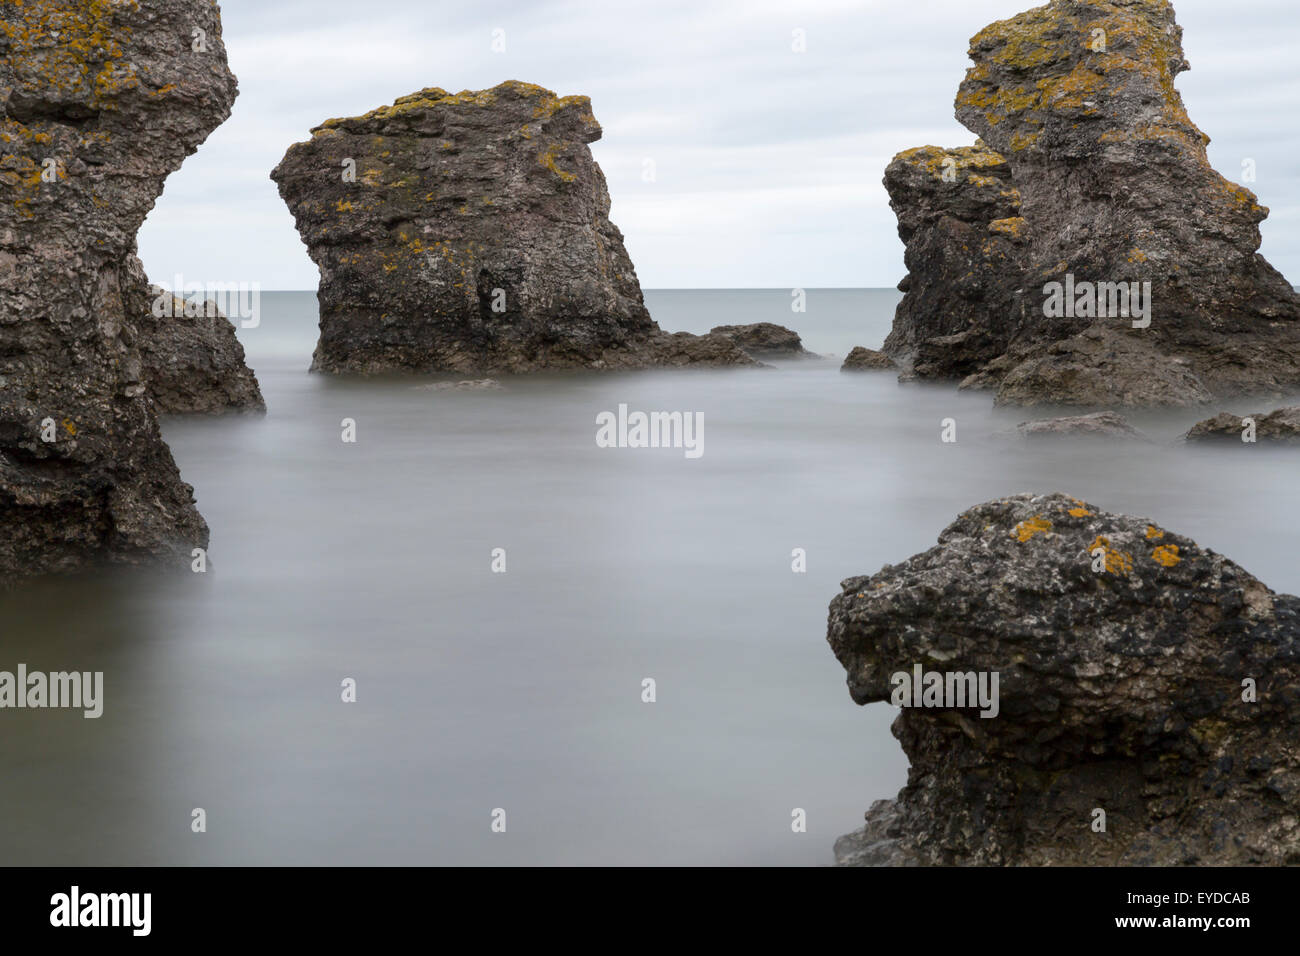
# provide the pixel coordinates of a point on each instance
(470, 232)
(1281, 425)
(862, 359)
(1088, 171)
(764, 340)
(1120, 689)
(101, 101)
(193, 364)
(1096, 425)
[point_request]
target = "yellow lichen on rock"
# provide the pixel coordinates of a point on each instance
(1117, 562)
(1032, 526)
(1166, 555)
(1014, 227)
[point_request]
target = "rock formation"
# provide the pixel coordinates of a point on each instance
(862, 359)
(1138, 674)
(192, 364)
(101, 102)
(469, 232)
(1088, 174)
(762, 340)
(1282, 425)
(1096, 425)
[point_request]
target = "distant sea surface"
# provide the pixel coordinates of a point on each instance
(522, 692)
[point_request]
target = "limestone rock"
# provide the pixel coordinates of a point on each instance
(103, 101)
(468, 385)
(1282, 425)
(1119, 689)
(1097, 425)
(470, 233)
(192, 365)
(863, 359)
(965, 240)
(1088, 171)
(764, 340)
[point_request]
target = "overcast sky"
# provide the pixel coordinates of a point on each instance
(768, 162)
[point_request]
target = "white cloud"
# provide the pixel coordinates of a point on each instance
(769, 162)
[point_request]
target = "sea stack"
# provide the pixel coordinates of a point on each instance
(1084, 252)
(1146, 705)
(469, 232)
(103, 101)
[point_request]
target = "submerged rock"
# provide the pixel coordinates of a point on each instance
(470, 232)
(863, 359)
(1098, 424)
(1088, 175)
(191, 364)
(1282, 425)
(103, 101)
(1138, 675)
(469, 385)
(764, 340)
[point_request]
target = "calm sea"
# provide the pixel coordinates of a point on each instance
(522, 691)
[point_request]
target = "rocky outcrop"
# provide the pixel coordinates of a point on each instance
(101, 102)
(1096, 425)
(1145, 684)
(1282, 425)
(866, 360)
(1029, 255)
(959, 219)
(470, 232)
(764, 340)
(192, 364)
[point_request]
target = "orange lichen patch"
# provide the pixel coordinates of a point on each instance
(551, 104)
(344, 206)
(1137, 255)
(547, 159)
(1242, 196)
(1022, 141)
(1079, 513)
(1166, 555)
(1117, 562)
(936, 160)
(70, 428)
(1013, 227)
(1153, 532)
(1027, 529)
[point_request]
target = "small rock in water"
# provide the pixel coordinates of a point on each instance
(863, 359)
(764, 340)
(468, 385)
(1282, 425)
(1103, 424)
